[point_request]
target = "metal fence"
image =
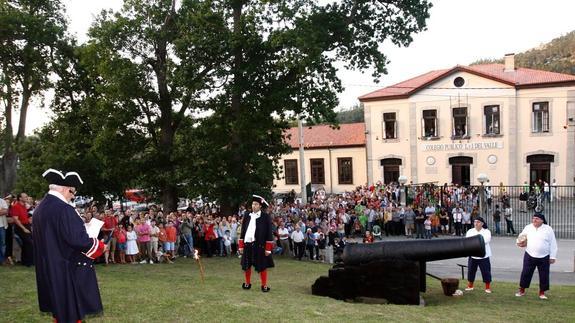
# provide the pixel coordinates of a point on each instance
(558, 205)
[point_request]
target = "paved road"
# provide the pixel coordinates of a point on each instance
(507, 261)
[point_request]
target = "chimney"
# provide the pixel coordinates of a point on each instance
(509, 62)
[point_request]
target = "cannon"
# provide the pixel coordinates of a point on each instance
(394, 270)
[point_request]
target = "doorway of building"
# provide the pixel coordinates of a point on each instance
(390, 169)
(461, 170)
(540, 168)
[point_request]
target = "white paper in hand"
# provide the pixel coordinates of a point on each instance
(93, 227)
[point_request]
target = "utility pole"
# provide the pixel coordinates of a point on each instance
(302, 162)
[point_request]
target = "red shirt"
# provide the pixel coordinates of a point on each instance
(110, 222)
(171, 234)
(19, 210)
(120, 235)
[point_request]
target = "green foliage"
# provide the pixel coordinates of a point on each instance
(195, 98)
(351, 115)
(556, 56)
(31, 35)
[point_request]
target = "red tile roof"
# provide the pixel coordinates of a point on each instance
(520, 78)
(322, 136)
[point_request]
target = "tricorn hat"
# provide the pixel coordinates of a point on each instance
(70, 179)
(260, 200)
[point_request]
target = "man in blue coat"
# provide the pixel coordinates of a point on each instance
(64, 253)
(256, 243)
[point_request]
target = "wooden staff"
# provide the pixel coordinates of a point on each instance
(197, 258)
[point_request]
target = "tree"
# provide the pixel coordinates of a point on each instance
(156, 61)
(206, 89)
(81, 137)
(281, 64)
(30, 34)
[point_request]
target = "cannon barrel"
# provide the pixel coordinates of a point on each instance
(422, 250)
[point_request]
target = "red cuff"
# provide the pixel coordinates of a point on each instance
(241, 244)
(96, 250)
(269, 245)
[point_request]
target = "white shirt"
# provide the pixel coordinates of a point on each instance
(251, 230)
(297, 236)
(457, 214)
(486, 237)
(283, 233)
(154, 230)
(3, 221)
(540, 241)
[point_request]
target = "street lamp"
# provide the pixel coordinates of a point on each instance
(482, 178)
(402, 180)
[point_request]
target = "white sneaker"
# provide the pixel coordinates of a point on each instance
(468, 288)
(520, 294)
(488, 291)
(542, 296)
(143, 262)
(151, 262)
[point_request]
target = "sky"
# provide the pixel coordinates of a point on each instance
(458, 32)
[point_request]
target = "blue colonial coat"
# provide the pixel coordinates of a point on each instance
(254, 255)
(65, 275)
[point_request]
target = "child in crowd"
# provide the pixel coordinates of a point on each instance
(170, 244)
(427, 226)
(131, 244)
(120, 235)
(228, 242)
(163, 257)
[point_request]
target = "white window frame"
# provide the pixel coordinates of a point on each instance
(394, 126)
(486, 121)
(436, 128)
(453, 123)
(540, 108)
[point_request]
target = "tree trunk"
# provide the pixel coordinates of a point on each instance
(8, 171)
(169, 197)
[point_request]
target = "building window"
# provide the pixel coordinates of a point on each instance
(430, 123)
(389, 126)
(390, 169)
(344, 171)
(290, 171)
(460, 123)
(491, 119)
(540, 117)
(317, 171)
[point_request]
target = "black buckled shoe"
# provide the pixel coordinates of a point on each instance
(265, 289)
(246, 286)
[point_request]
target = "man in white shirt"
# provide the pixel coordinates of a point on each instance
(483, 263)
(298, 243)
(283, 234)
(540, 251)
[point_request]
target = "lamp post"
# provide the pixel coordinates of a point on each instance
(482, 178)
(402, 180)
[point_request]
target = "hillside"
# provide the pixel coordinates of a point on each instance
(556, 56)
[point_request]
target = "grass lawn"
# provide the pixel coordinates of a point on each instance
(175, 293)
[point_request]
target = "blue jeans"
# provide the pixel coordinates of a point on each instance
(2, 244)
(497, 227)
(189, 245)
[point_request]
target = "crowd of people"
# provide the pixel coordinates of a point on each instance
(314, 231)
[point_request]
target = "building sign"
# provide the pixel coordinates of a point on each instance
(463, 146)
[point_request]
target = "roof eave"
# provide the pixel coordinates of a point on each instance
(331, 147)
(544, 85)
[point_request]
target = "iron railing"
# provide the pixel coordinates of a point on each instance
(558, 205)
